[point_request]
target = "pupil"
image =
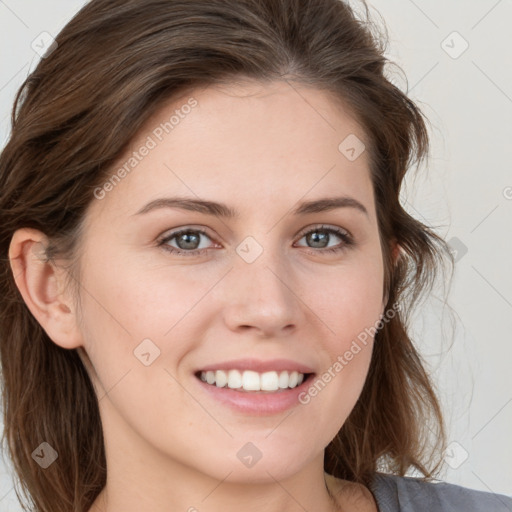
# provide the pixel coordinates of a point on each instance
(188, 244)
(315, 238)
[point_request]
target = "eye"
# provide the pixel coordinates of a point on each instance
(188, 240)
(320, 236)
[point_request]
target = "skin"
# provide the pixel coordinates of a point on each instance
(261, 149)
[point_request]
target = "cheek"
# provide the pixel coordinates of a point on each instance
(351, 311)
(351, 299)
(129, 302)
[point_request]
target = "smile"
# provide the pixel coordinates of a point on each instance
(247, 381)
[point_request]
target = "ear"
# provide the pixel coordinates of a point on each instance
(42, 286)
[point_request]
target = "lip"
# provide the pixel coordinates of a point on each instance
(258, 365)
(256, 403)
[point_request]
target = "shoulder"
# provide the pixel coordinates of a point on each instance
(407, 494)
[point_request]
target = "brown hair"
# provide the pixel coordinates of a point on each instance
(116, 62)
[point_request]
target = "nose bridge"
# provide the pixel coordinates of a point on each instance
(261, 294)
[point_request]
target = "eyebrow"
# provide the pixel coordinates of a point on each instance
(224, 211)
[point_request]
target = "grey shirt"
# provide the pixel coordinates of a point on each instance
(407, 494)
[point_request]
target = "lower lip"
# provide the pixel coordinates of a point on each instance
(254, 402)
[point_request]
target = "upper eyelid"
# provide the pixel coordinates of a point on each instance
(171, 233)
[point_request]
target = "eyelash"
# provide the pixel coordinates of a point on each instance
(347, 239)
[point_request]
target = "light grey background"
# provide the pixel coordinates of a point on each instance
(466, 194)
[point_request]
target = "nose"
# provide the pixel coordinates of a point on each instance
(260, 297)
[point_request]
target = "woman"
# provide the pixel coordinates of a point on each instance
(207, 272)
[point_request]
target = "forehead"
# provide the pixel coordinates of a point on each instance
(246, 143)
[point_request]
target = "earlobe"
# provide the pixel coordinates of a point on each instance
(396, 252)
(42, 286)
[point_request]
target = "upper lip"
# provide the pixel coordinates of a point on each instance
(258, 365)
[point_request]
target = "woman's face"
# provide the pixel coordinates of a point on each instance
(258, 295)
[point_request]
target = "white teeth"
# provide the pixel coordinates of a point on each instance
(284, 378)
(221, 378)
(269, 381)
(253, 381)
(294, 377)
(234, 379)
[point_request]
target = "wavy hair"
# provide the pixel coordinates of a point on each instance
(115, 64)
